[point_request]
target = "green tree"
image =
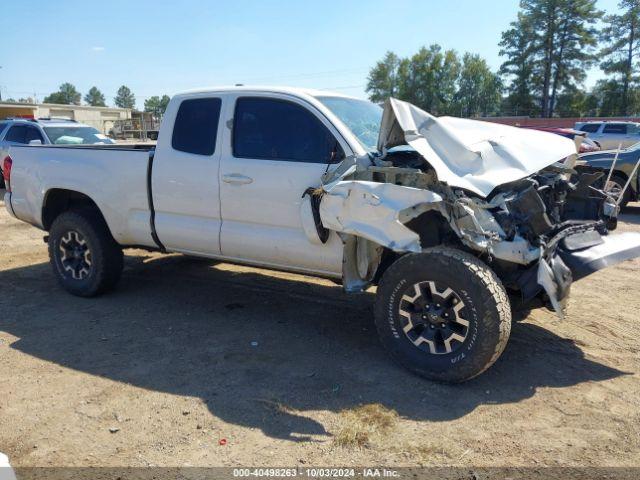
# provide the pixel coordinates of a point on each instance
(575, 43)
(125, 98)
(610, 98)
(575, 102)
(94, 97)
(517, 45)
(383, 81)
(560, 37)
(435, 80)
(156, 105)
(620, 53)
(478, 88)
(429, 79)
(66, 95)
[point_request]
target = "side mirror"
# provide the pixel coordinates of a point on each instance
(35, 142)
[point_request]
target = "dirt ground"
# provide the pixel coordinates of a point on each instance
(193, 362)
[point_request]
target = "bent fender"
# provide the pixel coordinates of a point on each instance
(377, 212)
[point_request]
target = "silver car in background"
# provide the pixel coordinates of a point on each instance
(46, 131)
(611, 134)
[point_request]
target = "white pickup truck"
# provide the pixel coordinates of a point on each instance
(456, 222)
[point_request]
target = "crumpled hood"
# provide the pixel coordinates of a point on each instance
(471, 154)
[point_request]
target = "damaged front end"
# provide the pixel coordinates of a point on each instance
(508, 195)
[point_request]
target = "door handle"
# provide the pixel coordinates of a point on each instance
(237, 179)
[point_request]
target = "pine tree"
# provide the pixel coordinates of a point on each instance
(156, 105)
(66, 95)
(620, 54)
(557, 39)
(94, 97)
(125, 98)
(517, 44)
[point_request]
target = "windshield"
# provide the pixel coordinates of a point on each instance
(360, 116)
(74, 135)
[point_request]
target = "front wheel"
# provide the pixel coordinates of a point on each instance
(443, 314)
(85, 258)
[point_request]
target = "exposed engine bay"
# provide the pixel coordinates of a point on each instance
(538, 228)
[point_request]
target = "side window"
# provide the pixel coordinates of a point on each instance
(619, 128)
(16, 134)
(3, 125)
(33, 134)
(633, 129)
(590, 127)
(280, 130)
(196, 126)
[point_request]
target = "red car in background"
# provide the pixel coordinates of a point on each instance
(587, 144)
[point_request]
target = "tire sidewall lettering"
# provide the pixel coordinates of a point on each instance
(392, 307)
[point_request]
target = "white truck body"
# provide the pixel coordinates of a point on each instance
(192, 193)
(459, 215)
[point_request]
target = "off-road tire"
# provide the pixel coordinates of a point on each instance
(105, 254)
(486, 308)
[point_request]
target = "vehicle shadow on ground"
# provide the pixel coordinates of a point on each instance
(258, 349)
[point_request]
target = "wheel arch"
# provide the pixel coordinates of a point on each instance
(434, 230)
(59, 200)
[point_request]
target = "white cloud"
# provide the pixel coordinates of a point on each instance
(98, 49)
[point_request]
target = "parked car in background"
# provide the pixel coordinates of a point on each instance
(587, 145)
(46, 131)
(623, 168)
(611, 134)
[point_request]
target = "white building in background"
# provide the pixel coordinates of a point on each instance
(101, 118)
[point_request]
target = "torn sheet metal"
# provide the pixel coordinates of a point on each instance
(547, 281)
(360, 263)
(376, 211)
(471, 154)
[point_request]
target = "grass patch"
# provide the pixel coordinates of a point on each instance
(359, 426)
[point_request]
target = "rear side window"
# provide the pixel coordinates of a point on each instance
(196, 126)
(16, 134)
(615, 128)
(633, 128)
(590, 127)
(266, 128)
(33, 134)
(3, 125)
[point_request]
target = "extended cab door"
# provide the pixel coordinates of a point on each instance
(184, 178)
(279, 146)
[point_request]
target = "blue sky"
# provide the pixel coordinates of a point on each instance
(158, 47)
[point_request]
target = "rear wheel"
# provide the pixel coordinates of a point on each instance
(85, 258)
(443, 314)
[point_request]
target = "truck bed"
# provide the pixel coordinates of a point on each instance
(101, 146)
(112, 176)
